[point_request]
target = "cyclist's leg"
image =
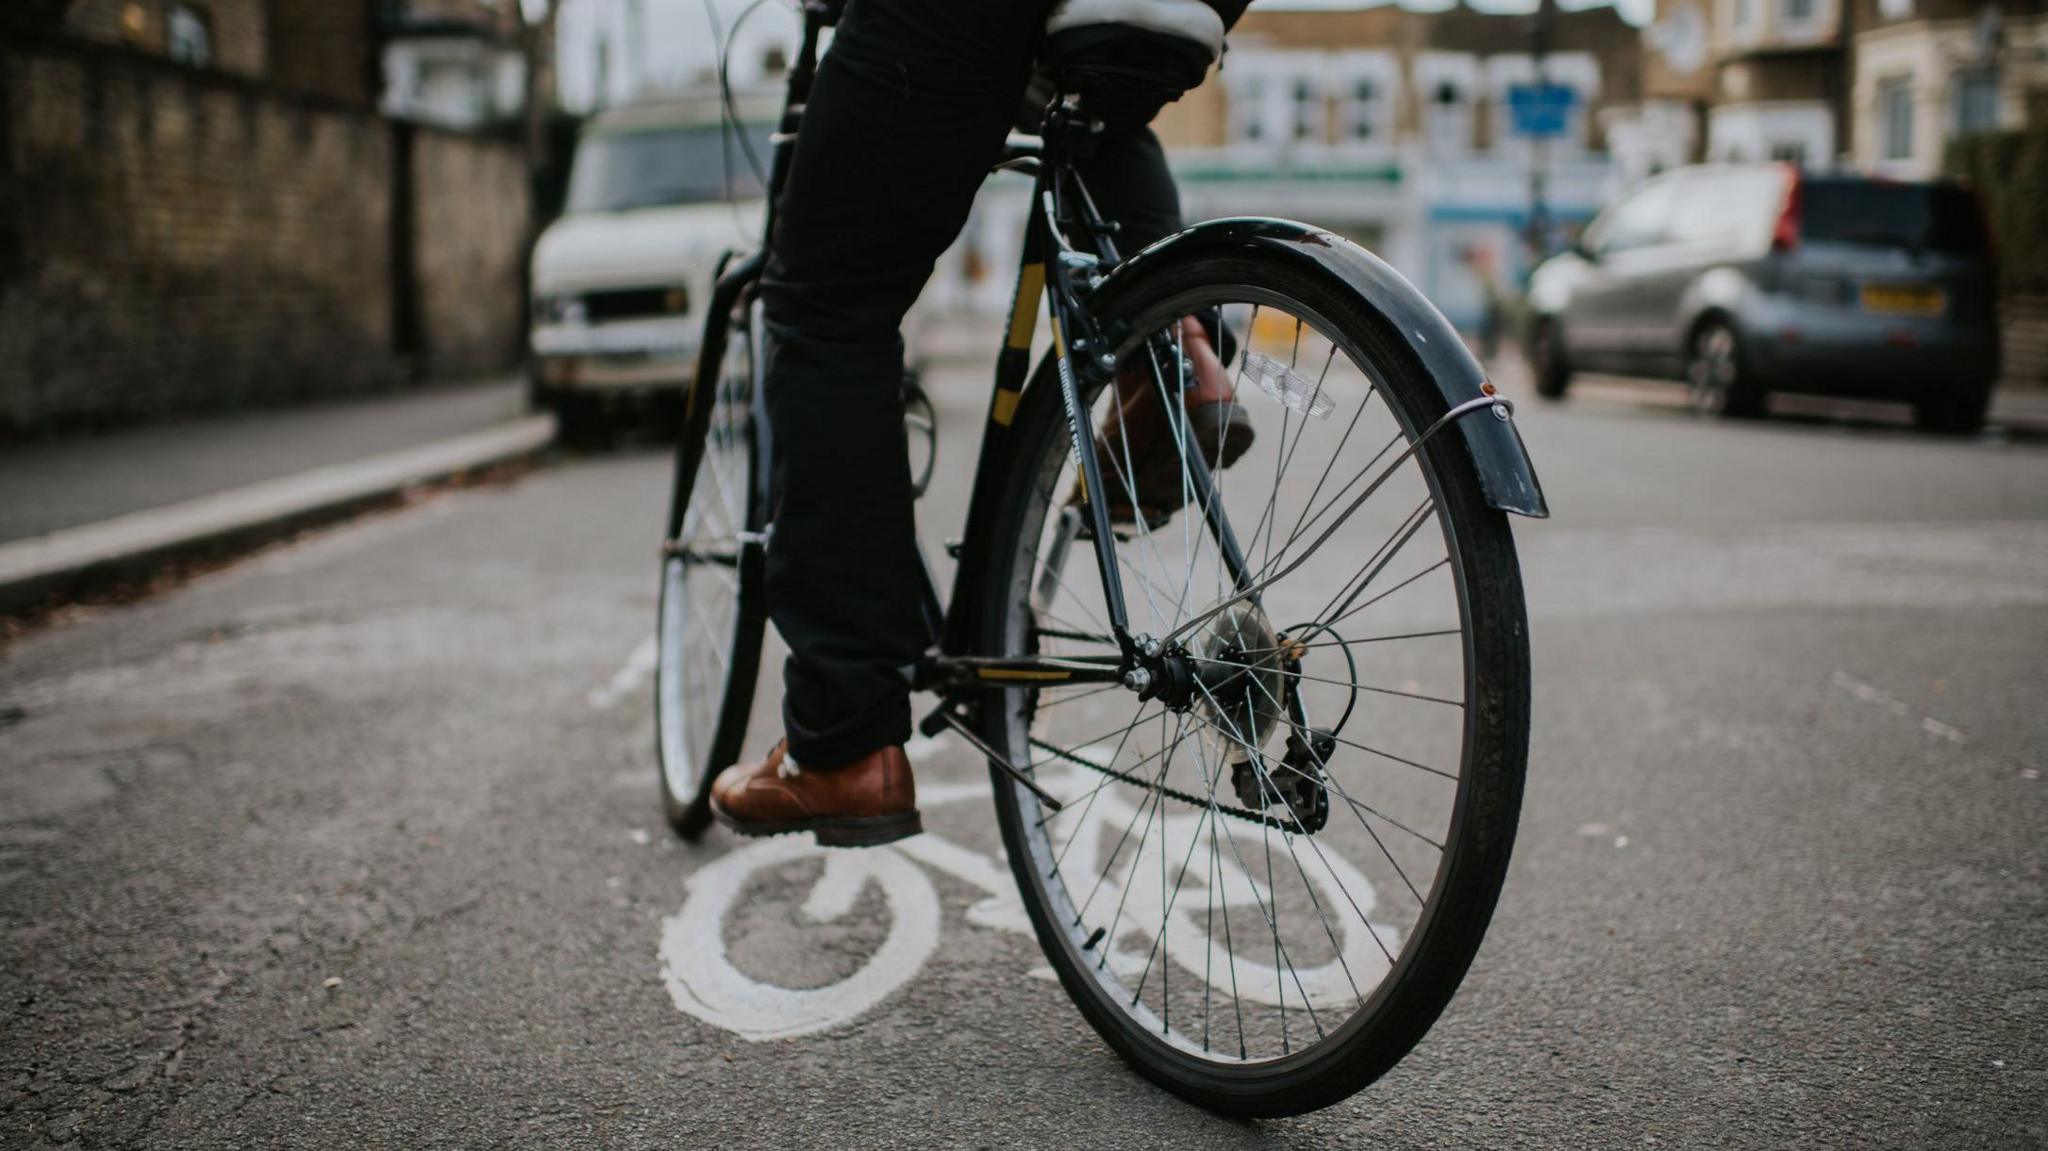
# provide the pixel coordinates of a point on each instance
(1131, 184)
(909, 109)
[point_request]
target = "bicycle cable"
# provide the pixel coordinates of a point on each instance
(729, 124)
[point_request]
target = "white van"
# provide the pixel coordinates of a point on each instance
(658, 191)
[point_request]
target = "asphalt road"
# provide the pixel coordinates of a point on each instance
(357, 842)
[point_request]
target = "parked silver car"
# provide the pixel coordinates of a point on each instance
(1746, 279)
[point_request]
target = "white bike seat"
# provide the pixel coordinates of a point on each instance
(1189, 20)
(1131, 56)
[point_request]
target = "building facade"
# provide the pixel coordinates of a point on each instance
(1390, 126)
(1928, 71)
(1879, 85)
(455, 63)
(1779, 81)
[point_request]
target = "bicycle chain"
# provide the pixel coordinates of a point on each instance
(1187, 797)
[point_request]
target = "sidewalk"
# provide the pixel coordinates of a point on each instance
(92, 508)
(2020, 410)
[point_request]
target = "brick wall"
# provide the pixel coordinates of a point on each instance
(240, 28)
(469, 248)
(325, 46)
(174, 240)
(2025, 320)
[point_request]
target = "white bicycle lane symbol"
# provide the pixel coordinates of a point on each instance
(704, 983)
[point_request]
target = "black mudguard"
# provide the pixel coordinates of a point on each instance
(1506, 477)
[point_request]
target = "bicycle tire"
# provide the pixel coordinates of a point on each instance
(734, 460)
(1422, 979)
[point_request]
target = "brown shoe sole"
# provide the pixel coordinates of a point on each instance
(831, 830)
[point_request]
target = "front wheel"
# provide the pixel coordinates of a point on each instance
(712, 617)
(1267, 882)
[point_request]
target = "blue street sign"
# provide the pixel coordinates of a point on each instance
(1540, 110)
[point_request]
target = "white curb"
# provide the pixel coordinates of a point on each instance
(35, 568)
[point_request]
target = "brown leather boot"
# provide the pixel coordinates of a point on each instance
(867, 802)
(1217, 424)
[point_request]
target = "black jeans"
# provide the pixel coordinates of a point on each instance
(909, 109)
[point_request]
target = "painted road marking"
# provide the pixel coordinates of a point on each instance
(1878, 697)
(639, 666)
(703, 982)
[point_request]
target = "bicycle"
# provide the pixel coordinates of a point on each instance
(1221, 654)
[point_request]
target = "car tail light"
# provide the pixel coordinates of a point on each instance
(1785, 233)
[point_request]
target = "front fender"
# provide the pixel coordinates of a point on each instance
(1506, 477)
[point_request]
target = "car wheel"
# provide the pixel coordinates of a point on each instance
(1958, 412)
(581, 420)
(1715, 377)
(1546, 357)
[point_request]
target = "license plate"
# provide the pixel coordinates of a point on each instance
(1904, 299)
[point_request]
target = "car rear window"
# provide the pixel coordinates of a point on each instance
(1941, 217)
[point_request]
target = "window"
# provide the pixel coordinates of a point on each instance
(1799, 11)
(1745, 13)
(1976, 101)
(1722, 208)
(1449, 118)
(189, 35)
(1251, 111)
(1365, 108)
(1895, 9)
(1308, 113)
(1895, 117)
(1361, 108)
(1789, 152)
(1640, 221)
(1697, 215)
(621, 170)
(1889, 214)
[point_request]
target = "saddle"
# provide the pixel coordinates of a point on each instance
(1129, 58)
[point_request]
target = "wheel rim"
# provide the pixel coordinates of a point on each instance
(1229, 926)
(1712, 371)
(700, 609)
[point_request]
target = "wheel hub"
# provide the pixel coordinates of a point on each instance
(1235, 669)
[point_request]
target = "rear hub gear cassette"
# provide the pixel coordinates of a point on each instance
(1243, 692)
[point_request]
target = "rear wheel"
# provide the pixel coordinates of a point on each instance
(1716, 377)
(1268, 880)
(713, 608)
